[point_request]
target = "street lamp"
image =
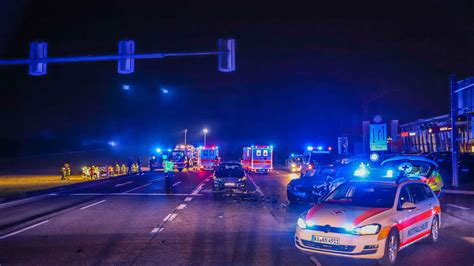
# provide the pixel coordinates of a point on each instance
(205, 131)
(185, 133)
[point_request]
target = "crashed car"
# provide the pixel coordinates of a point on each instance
(229, 176)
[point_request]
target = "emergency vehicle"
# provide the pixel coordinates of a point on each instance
(178, 157)
(317, 156)
(258, 159)
(191, 153)
(370, 218)
(208, 157)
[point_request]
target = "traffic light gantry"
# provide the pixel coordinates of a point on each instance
(126, 56)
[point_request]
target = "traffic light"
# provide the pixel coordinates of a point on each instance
(38, 50)
(126, 66)
(226, 59)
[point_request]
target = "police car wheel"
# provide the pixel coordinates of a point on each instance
(391, 249)
(434, 235)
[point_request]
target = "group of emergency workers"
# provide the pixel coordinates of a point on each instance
(109, 170)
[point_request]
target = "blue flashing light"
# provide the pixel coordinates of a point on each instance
(158, 150)
(112, 143)
(169, 150)
(362, 171)
(309, 148)
(126, 87)
(165, 91)
(320, 148)
(292, 155)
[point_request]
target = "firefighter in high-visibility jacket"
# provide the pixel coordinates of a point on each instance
(168, 168)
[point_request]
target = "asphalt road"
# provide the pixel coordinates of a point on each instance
(131, 220)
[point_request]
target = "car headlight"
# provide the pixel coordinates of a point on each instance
(301, 223)
(243, 178)
(370, 229)
(293, 165)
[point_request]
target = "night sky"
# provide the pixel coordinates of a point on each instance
(307, 72)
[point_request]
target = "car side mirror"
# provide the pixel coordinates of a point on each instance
(408, 206)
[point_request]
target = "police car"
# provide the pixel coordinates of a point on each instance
(371, 219)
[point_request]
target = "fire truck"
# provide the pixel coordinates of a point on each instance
(191, 154)
(208, 157)
(258, 159)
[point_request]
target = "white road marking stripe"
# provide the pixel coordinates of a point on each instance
(161, 229)
(93, 204)
(155, 230)
(167, 217)
(23, 229)
(256, 187)
(123, 184)
(315, 260)
(172, 217)
(188, 199)
(177, 183)
(451, 191)
(23, 200)
(181, 206)
(133, 194)
(133, 189)
(198, 188)
(457, 206)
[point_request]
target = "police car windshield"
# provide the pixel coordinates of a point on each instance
(371, 195)
(322, 158)
(229, 170)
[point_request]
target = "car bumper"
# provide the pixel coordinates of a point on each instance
(229, 185)
(350, 246)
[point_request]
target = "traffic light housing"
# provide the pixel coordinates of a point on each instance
(126, 66)
(38, 50)
(226, 60)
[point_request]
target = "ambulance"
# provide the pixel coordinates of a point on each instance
(257, 158)
(209, 158)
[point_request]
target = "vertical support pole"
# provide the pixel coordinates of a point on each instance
(185, 133)
(454, 132)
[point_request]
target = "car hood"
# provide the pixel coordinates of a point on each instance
(338, 215)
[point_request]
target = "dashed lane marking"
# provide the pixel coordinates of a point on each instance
(172, 217)
(93, 204)
(155, 230)
(167, 217)
(181, 206)
(459, 207)
(177, 183)
(188, 199)
(133, 189)
(123, 184)
(23, 229)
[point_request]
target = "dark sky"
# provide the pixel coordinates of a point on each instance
(307, 72)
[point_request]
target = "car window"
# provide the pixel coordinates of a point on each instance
(404, 196)
(370, 195)
(258, 152)
(427, 191)
(417, 193)
(205, 152)
(211, 152)
(265, 152)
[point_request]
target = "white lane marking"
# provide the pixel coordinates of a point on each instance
(469, 239)
(199, 187)
(207, 179)
(133, 189)
(23, 229)
(161, 229)
(172, 217)
(181, 206)
(315, 260)
(457, 206)
(155, 230)
(451, 191)
(167, 217)
(256, 187)
(177, 183)
(123, 184)
(22, 200)
(133, 194)
(188, 199)
(93, 204)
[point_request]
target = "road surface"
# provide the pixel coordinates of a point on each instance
(131, 220)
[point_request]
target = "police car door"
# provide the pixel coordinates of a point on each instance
(416, 223)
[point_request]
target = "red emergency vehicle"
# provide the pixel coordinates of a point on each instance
(209, 157)
(258, 158)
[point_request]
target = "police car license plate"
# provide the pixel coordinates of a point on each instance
(229, 184)
(326, 240)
